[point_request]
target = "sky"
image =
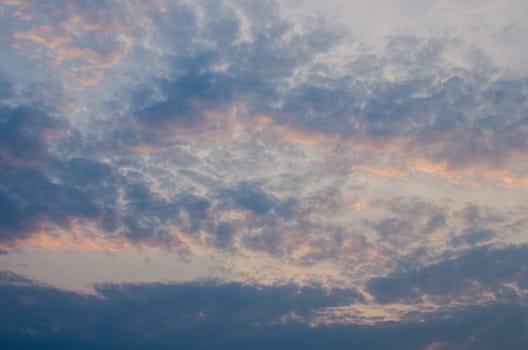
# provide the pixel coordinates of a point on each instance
(264, 174)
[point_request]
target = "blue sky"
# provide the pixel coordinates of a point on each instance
(264, 174)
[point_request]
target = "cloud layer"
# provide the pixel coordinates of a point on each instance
(357, 164)
(161, 315)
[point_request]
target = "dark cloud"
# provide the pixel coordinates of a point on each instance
(224, 234)
(211, 64)
(38, 187)
(187, 98)
(154, 314)
(226, 316)
(450, 121)
(23, 135)
(269, 240)
(435, 221)
(475, 215)
(243, 59)
(393, 227)
(475, 271)
(6, 88)
(410, 215)
(8, 278)
(462, 120)
(409, 219)
(86, 174)
(84, 188)
(251, 197)
(31, 198)
(146, 213)
(28, 197)
(206, 65)
(473, 236)
(399, 230)
(287, 208)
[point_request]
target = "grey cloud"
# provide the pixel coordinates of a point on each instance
(393, 227)
(410, 217)
(147, 213)
(252, 197)
(269, 240)
(475, 215)
(86, 173)
(187, 98)
(321, 249)
(472, 272)
(22, 134)
(39, 187)
(253, 70)
(410, 206)
(268, 212)
(31, 198)
(287, 208)
(451, 117)
(473, 236)
(447, 114)
(435, 221)
(27, 196)
(9, 278)
(224, 234)
(140, 198)
(423, 109)
(232, 316)
(155, 311)
(448, 109)
(196, 207)
(6, 88)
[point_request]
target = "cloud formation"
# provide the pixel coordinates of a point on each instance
(138, 316)
(354, 164)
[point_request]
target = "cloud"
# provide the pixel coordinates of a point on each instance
(465, 278)
(155, 309)
(283, 148)
(224, 234)
(24, 134)
(6, 88)
(139, 316)
(32, 199)
(407, 219)
(28, 198)
(473, 236)
(251, 197)
(474, 215)
(83, 40)
(431, 113)
(40, 188)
